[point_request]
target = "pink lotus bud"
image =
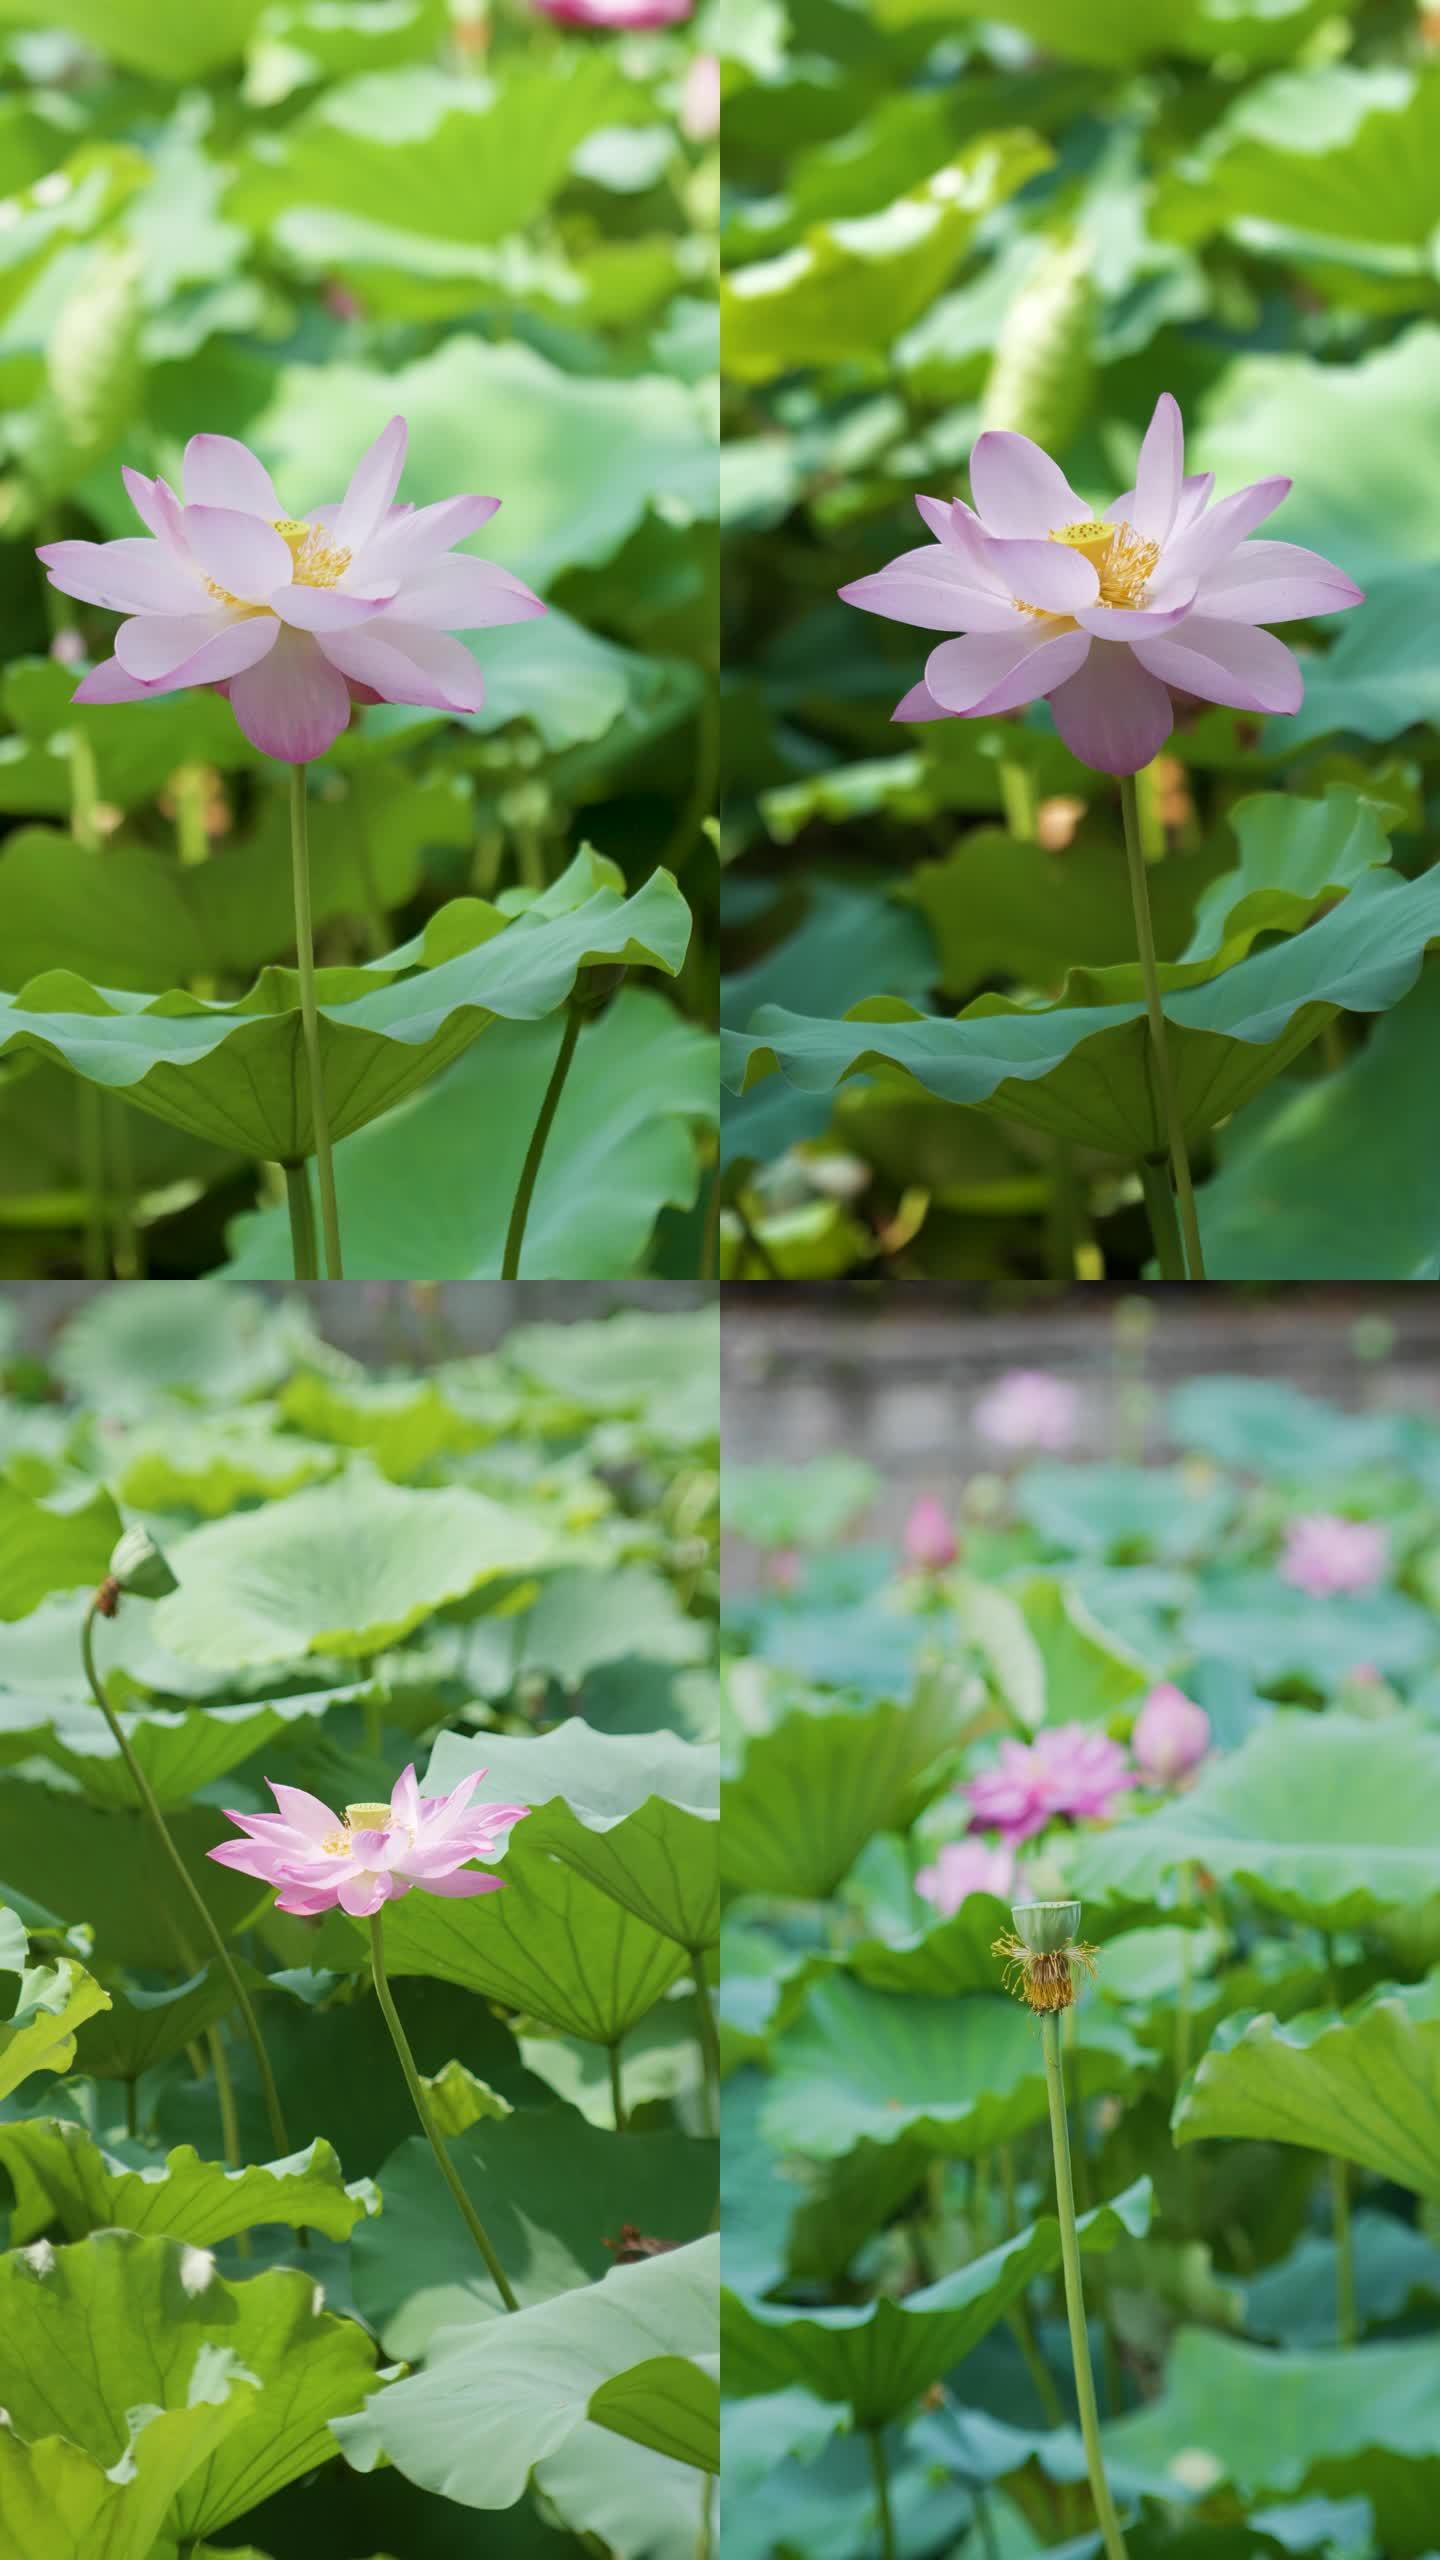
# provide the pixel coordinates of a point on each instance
(1324, 1554)
(963, 1867)
(930, 1542)
(1171, 1736)
(700, 102)
(1028, 1409)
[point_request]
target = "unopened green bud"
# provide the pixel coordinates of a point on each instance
(139, 1567)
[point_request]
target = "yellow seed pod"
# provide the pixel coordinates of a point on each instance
(1040, 379)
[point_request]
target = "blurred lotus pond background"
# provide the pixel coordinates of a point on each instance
(287, 223)
(944, 218)
(1132, 1600)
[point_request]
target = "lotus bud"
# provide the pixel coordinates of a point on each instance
(140, 1568)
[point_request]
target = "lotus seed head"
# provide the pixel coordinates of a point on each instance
(1045, 1927)
(368, 1817)
(141, 1568)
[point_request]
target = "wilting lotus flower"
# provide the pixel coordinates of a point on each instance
(1324, 1554)
(1171, 1736)
(1028, 1409)
(292, 617)
(930, 1542)
(374, 1853)
(1102, 616)
(1069, 1769)
(963, 1867)
(616, 13)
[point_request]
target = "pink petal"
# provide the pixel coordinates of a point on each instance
(986, 671)
(462, 1886)
(109, 683)
(1227, 662)
(373, 484)
(412, 536)
(1045, 573)
(920, 704)
(1219, 530)
(171, 652)
(1275, 582)
(324, 608)
(242, 555)
(222, 472)
(361, 1895)
(130, 576)
(458, 593)
(304, 1813)
(1135, 622)
(306, 1906)
(405, 1796)
(1114, 715)
(247, 1855)
(929, 588)
(1159, 472)
(295, 705)
(408, 664)
(1196, 492)
(1017, 489)
(936, 512)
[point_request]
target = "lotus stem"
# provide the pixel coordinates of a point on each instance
(1346, 2323)
(1017, 797)
(186, 1881)
(708, 2036)
(1106, 2517)
(617, 2090)
(310, 1019)
(428, 2126)
(302, 1221)
(1164, 1226)
(539, 1135)
(880, 2473)
(1164, 1076)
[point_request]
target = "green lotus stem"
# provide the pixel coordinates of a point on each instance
(90, 1111)
(1064, 1219)
(310, 1019)
(1164, 1077)
(539, 1135)
(1346, 2323)
(1147, 803)
(708, 2037)
(1110, 2533)
(302, 1221)
(617, 2092)
(428, 2126)
(1017, 798)
(1185, 1898)
(1164, 1227)
(188, 1886)
(128, 1249)
(880, 2473)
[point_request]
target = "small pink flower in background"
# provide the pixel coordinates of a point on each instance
(930, 1542)
(292, 618)
(1171, 1736)
(1028, 1409)
(68, 649)
(1324, 1554)
(1102, 617)
(1069, 1769)
(700, 104)
(626, 14)
(373, 1853)
(784, 1568)
(963, 1867)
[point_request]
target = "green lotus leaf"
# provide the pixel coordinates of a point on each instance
(102, 1866)
(1279, 1633)
(47, 1547)
(71, 2504)
(945, 1962)
(1123, 33)
(1002, 909)
(880, 2358)
(1329, 1819)
(63, 2177)
(1296, 856)
(620, 1149)
(1080, 1068)
(70, 2319)
(956, 2076)
(618, 1366)
(346, 1568)
(1358, 2421)
(635, 1814)
(1267, 1427)
(553, 2193)
(552, 1945)
(51, 2001)
(805, 1506)
(809, 1794)
(404, 1424)
(1340, 153)
(495, 2399)
(214, 1463)
(163, 37)
(180, 1752)
(208, 1343)
(1123, 1514)
(233, 1072)
(1365, 2085)
(1086, 1671)
(582, 1619)
(141, 2029)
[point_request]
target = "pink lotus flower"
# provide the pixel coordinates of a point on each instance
(700, 103)
(930, 1542)
(1171, 1736)
(374, 1853)
(293, 618)
(1324, 1554)
(963, 1867)
(1028, 1409)
(1104, 618)
(626, 14)
(1069, 1769)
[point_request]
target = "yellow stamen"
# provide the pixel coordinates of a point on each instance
(1123, 561)
(318, 561)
